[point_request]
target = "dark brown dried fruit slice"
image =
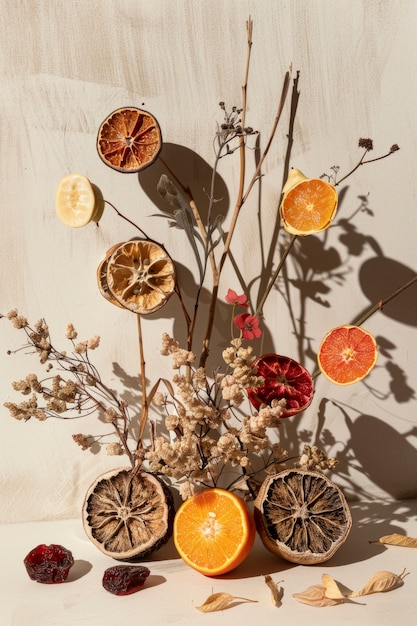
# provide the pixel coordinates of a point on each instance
(128, 515)
(129, 140)
(49, 564)
(125, 579)
(302, 516)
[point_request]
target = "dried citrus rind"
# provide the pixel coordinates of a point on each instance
(128, 515)
(308, 205)
(140, 276)
(302, 516)
(102, 278)
(129, 140)
(75, 201)
(347, 354)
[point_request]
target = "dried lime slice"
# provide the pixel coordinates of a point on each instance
(128, 515)
(302, 516)
(75, 202)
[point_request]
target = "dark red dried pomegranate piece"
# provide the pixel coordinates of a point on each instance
(49, 564)
(284, 379)
(124, 579)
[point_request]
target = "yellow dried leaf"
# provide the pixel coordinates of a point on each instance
(276, 592)
(379, 583)
(316, 596)
(332, 588)
(220, 601)
(397, 540)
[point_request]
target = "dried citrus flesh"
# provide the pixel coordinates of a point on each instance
(347, 354)
(140, 276)
(129, 140)
(214, 531)
(128, 515)
(302, 516)
(309, 206)
(284, 379)
(75, 201)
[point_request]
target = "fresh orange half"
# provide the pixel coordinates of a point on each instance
(308, 206)
(129, 140)
(214, 531)
(347, 354)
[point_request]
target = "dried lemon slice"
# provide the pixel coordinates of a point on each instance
(128, 515)
(302, 516)
(75, 201)
(140, 276)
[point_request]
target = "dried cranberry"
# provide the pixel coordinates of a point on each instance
(49, 564)
(124, 579)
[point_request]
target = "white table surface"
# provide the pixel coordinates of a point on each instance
(173, 590)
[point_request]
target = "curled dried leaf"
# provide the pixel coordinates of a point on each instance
(397, 540)
(316, 596)
(220, 601)
(276, 591)
(332, 588)
(380, 582)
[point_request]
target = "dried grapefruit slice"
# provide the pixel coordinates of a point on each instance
(140, 276)
(214, 531)
(308, 205)
(128, 515)
(75, 201)
(129, 140)
(347, 354)
(284, 379)
(302, 516)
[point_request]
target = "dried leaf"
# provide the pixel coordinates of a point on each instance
(397, 540)
(332, 588)
(220, 601)
(276, 592)
(316, 596)
(380, 582)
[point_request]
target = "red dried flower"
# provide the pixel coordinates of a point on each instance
(248, 324)
(233, 298)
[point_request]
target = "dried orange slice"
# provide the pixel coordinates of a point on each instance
(128, 515)
(129, 140)
(140, 276)
(308, 205)
(214, 531)
(75, 201)
(284, 379)
(302, 516)
(347, 354)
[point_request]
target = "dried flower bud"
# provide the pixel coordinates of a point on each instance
(114, 449)
(366, 143)
(70, 332)
(82, 441)
(394, 148)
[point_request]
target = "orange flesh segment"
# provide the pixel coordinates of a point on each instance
(213, 531)
(309, 207)
(347, 354)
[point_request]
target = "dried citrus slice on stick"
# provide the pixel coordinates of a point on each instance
(284, 379)
(129, 140)
(75, 201)
(347, 354)
(140, 276)
(128, 515)
(214, 531)
(308, 205)
(302, 516)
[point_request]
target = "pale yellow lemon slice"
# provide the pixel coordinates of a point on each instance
(75, 202)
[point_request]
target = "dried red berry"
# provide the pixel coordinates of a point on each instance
(49, 564)
(124, 579)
